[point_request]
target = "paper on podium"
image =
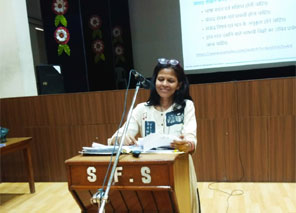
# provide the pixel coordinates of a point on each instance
(147, 144)
(101, 149)
(156, 140)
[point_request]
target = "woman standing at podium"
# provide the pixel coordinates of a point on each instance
(169, 110)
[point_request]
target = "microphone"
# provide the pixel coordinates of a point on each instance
(144, 82)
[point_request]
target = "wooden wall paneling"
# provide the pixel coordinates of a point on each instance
(34, 112)
(98, 133)
(84, 108)
(67, 142)
(253, 136)
(216, 106)
(294, 95)
(42, 154)
(61, 124)
(80, 134)
(198, 94)
(67, 123)
(234, 169)
(96, 107)
(282, 148)
(282, 96)
(210, 154)
(214, 101)
(70, 141)
(59, 110)
(221, 129)
(143, 95)
(85, 135)
(11, 112)
(56, 155)
(50, 147)
(203, 158)
(254, 98)
(102, 107)
(13, 167)
(16, 131)
(115, 105)
(99, 107)
(40, 111)
(7, 116)
(27, 111)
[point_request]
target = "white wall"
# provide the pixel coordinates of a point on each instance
(17, 76)
(155, 31)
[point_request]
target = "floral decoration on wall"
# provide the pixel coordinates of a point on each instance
(61, 34)
(62, 37)
(119, 53)
(95, 23)
(98, 49)
(117, 42)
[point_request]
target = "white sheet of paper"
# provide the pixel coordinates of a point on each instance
(98, 145)
(125, 149)
(156, 140)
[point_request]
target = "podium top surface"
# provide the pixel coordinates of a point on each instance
(126, 158)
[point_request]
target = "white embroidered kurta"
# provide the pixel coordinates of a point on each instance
(146, 120)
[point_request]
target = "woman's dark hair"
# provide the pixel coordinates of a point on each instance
(180, 95)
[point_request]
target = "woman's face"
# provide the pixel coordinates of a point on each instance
(166, 83)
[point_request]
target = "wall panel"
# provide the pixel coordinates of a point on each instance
(254, 98)
(217, 155)
(253, 140)
(293, 95)
(214, 100)
(234, 168)
(282, 148)
(210, 163)
(282, 96)
(246, 130)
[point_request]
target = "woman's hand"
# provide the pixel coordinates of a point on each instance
(183, 145)
(128, 141)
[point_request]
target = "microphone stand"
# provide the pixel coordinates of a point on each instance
(105, 196)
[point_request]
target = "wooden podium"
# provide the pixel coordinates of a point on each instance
(150, 183)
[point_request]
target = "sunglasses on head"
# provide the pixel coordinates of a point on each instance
(165, 61)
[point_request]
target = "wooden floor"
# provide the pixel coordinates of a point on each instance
(215, 197)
